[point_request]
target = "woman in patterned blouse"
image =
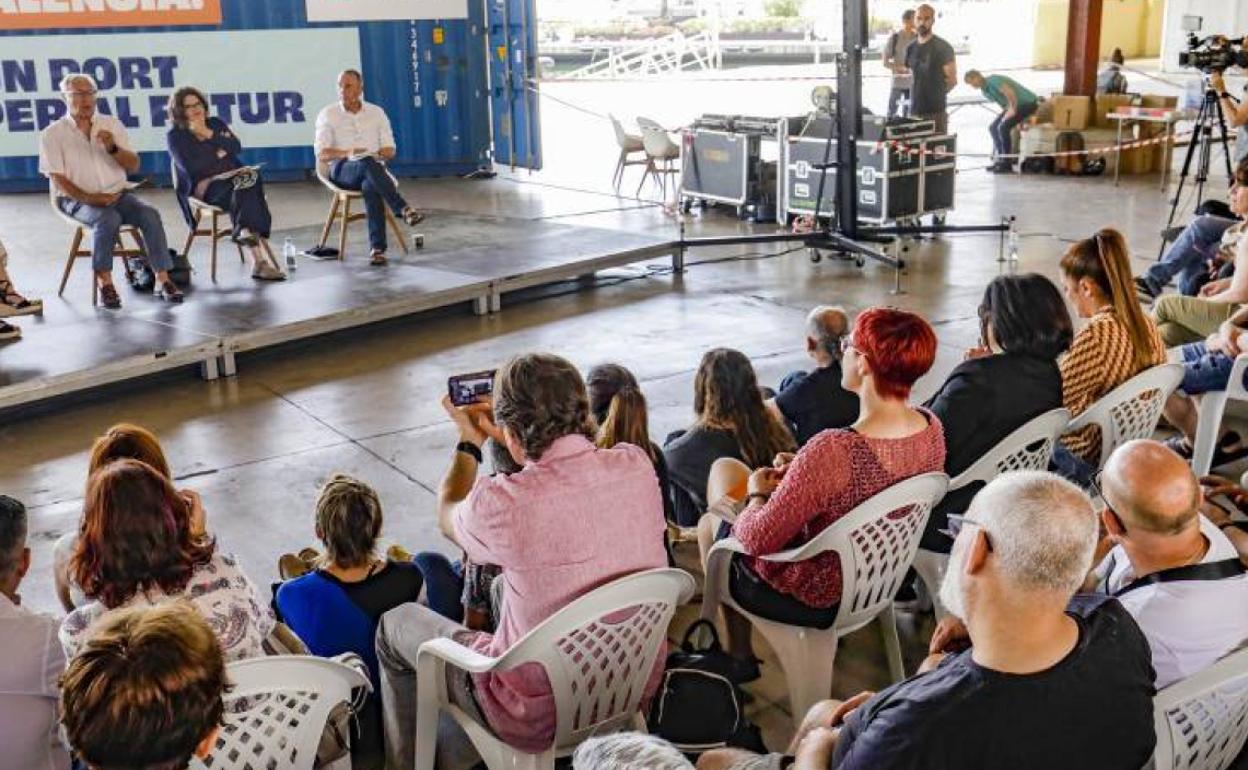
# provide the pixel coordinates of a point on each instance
(137, 547)
(803, 494)
(1119, 341)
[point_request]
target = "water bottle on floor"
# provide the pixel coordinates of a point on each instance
(288, 252)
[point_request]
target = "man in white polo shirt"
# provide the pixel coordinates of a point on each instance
(33, 660)
(87, 156)
(353, 143)
(1174, 571)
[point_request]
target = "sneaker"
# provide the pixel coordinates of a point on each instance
(169, 292)
(109, 297)
(1144, 290)
(377, 258)
(265, 271)
(9, 332)
(412, 217)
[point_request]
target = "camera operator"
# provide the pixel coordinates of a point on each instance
(1236, 114)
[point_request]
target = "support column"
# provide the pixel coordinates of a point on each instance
(1083, 45)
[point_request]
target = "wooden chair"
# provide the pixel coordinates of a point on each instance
(76, 251)
(340, 212)
(214, 231)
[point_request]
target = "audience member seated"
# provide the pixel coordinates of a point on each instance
(628, 751)
(731, 421)
(1118, 342)
(573, 518)
(204, 151)
(809, 402)
(137, 547)
(11, 302)
(1011, 378)
(336, 608)
(1207, 367)
(619, 409)
(1111, 80)
(1191, 319)
(804, 494)
(146, 693)
(353, 142)
(1207, 244)
(121, 441)
(87, 156)
(1225, 504)
(1051, 680)
(29, 686)
(1152, 518)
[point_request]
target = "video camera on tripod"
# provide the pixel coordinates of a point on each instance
(1216, 53)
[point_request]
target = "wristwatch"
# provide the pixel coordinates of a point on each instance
(471, 449)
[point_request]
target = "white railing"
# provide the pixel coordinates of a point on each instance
(674, 53)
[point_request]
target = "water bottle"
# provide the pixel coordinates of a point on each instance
(288, 251)
(1013, 245)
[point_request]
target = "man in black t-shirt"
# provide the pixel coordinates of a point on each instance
(809, 402)
(934, 69)
(1053, 680)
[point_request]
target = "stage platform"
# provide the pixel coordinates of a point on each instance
(74, 347)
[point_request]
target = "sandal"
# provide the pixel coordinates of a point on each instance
(1180, 446)
(169, 292)
(412, 217)
(1230, 448)
(109, 297)
(9, 332)
(377, 258)
(12, 303)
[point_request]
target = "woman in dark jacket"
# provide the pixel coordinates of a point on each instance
(1010, 379)
(204, 152)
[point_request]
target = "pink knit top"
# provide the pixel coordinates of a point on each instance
(834, 472)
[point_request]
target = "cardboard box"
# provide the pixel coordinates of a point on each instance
(1044, 114)
(1137, 161)
(1107, 103)
(1152, 100)
(1072, 113)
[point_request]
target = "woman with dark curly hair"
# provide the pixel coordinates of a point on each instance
(136, 547)
(731, 421)
(574, 517)
(204, 152)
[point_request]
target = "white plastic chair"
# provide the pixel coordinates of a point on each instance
(597, 657)
(1212, 407)
(661, 154)
(214, 231)
(340, 211)
(1131, 410)
(1029, 448)
(283, 703)
(876, 542)
(1202, 721)
(630, 145)
(76, 251)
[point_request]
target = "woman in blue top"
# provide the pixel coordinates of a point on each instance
(204, 152)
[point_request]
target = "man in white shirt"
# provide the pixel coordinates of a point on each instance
(32, 662)
(353, 142)
(1152, 503)
(87, 156)
(11, 302)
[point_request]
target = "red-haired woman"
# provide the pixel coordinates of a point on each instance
(137, 547)
(835, 471)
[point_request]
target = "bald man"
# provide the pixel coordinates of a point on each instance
(810, 402)
(1191, 615)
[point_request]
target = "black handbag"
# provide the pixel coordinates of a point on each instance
(698, 707)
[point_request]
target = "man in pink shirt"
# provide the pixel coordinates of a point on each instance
(573, 518)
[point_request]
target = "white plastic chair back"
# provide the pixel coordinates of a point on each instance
(658, 144)
(284, 702)
(622, 137)
(599, 651)
(1131, 410)
(646, 124)
(1202, 721)
(1029, 448)
(1212, 407)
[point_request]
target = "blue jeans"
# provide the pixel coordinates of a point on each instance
(370, 178)
(1204, 371)
(444, 584)
(106, 223)
(1189, 256)
(1002, 130)
(248, 208)
(1071, 467)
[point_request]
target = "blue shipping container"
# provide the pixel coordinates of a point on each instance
(268, 71)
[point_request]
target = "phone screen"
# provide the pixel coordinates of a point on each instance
(466, 389)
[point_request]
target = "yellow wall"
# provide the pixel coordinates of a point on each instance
(1133, 25)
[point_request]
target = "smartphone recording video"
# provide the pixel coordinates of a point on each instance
(467, 389)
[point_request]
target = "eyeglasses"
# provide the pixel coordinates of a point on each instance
(957, 521)
(195, 105)
(847, 343)
(1094, 483)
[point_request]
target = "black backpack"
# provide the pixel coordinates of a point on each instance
(698, 707)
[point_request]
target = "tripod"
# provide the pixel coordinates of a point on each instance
(1200, 148)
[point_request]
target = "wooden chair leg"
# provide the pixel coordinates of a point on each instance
(398, 233)
(329, 222)
(190, 237)
(69, 265)
(342, 233)
(213, 224)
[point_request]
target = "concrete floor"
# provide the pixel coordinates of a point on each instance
(366, 402)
